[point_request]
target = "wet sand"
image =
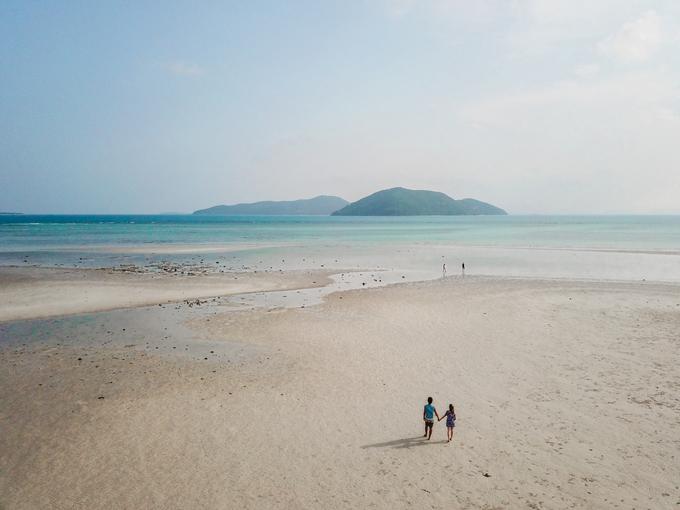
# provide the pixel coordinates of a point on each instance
(31, 292)
(567, 395)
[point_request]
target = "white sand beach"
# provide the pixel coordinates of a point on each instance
(566, 394)
(241, 244)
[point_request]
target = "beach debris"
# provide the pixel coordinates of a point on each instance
(100, 397)
(128, 268)
(486, 475)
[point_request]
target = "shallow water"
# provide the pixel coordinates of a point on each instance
(158, 330)
(598, 247)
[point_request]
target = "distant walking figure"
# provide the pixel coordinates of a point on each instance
(463, 266)
(429, 412)
(450, 421)
(444, 271)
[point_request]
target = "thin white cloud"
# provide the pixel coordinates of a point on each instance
(610, 100)
(449, 13)
(635, 41)
(399, 8)
(600, 134)
(540, 26)
(181, 68)
(587, 70)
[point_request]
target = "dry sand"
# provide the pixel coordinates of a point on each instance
(567, 395)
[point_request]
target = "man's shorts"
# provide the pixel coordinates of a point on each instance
(429, 423)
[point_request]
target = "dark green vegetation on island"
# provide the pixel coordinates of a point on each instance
(321, 205)
(389, 202)
(408, 202)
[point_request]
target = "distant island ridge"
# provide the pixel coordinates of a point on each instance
(389, 202)
(322, 205)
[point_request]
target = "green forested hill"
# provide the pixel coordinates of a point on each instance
(407, 202)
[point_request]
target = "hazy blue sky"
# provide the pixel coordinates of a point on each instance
(538, 106)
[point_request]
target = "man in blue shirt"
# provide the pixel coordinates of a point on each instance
(429, 412)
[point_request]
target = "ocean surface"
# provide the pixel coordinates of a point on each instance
(593, 247)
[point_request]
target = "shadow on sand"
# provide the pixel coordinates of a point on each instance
(408, 442)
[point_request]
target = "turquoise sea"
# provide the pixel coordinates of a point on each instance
(601, 247)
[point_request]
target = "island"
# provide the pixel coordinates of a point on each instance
(322, 205)
(408, 202)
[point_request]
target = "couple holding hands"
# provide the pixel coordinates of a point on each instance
(429, 412)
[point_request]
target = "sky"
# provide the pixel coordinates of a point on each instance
(537, 106)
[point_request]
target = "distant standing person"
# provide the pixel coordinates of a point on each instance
(450, 422)
(444, 271)
(463, 266)
(429, 412)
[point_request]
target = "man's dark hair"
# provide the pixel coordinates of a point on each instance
(429, 400)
